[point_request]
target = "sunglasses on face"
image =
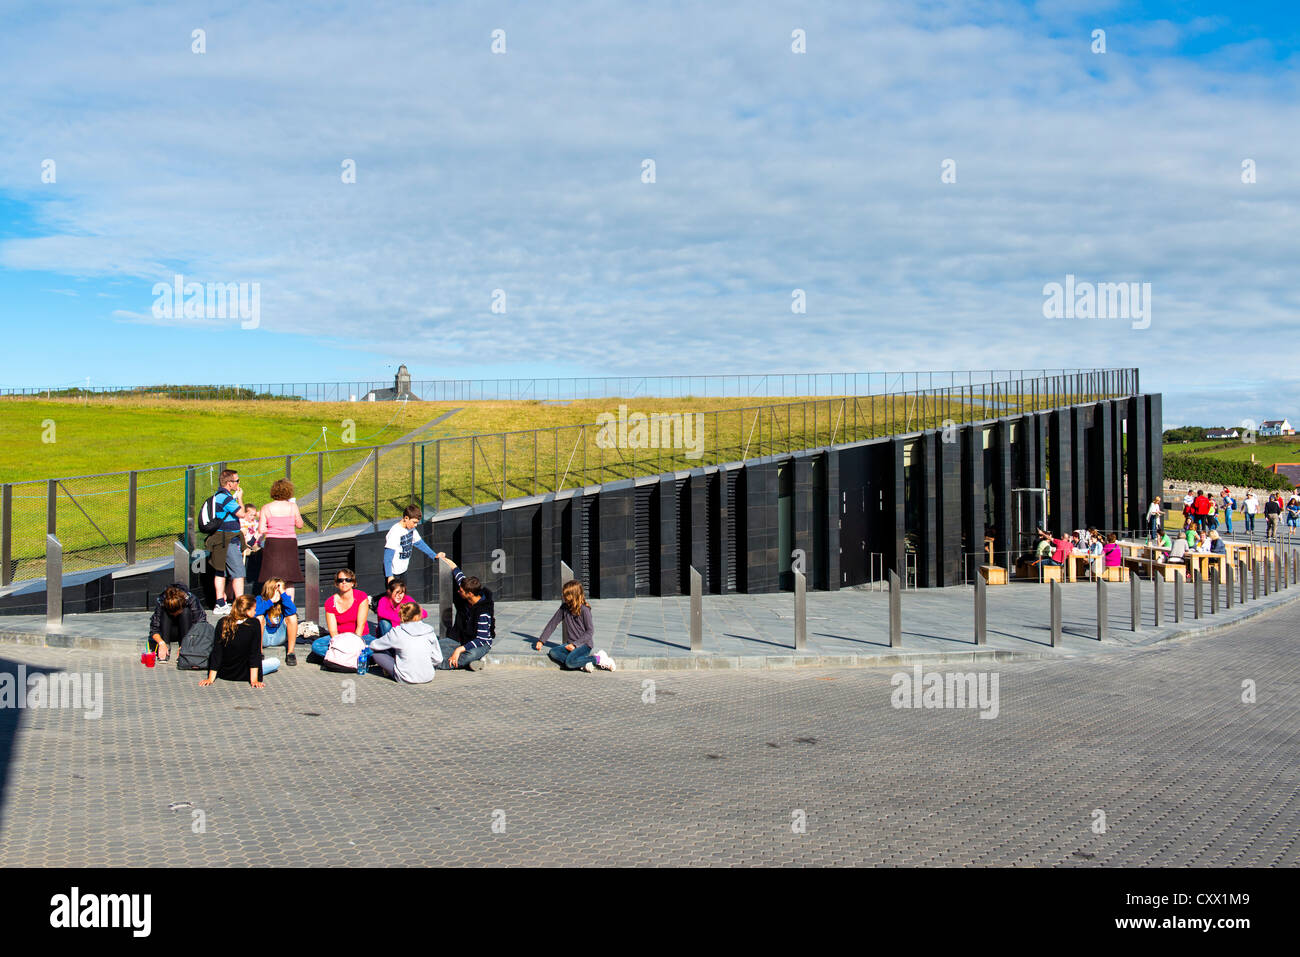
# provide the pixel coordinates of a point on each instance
(341, 581)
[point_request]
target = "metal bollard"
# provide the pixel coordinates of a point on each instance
(800, 611)
(1241, 581)
(1158, 588)
(1056, 613)
(1178, 598)
(53, 585)
(895, 611)
(1227, 591)
(1103, 623)
(981, 610)
(181, 564)
(697, 610)
(1134, 603)
(1267, 573)
(311, 574)
(1214, 591)
(1197, 593)
(566, 575)
(444, 599)
(1277, 574)
(1254, 580)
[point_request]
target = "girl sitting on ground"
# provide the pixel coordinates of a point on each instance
(408, 652)
(391, 603)
(279, 617)
(575, 654)
(346, 615)
(237, 650)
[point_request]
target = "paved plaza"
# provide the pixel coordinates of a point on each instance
(814, 765)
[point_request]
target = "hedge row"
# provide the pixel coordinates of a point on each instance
(1220, 472)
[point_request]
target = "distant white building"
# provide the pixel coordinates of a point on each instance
(1222, 434)
(1276, 427)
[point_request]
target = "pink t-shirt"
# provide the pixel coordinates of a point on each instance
(388, 612)
(279, 526)
(347, 620)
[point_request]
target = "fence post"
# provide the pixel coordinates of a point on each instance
(1197, 593)
(895, 611)
(1214, 591)
(697, 611)
(6, 533)
(320, 489)
(981, 610)
(52, 507)
(1157, 588)
(1055, 602)
(375, 513)
(800, 612)
(1134, 603)
(413, 475)
(1178, 598)
(503, 466)
(1103, 620)
(311, 570)
(473, 462)
(288, 468)
(53, 583)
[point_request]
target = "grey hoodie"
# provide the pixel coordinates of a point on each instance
(415, 646)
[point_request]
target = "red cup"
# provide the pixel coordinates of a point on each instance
(147, 658)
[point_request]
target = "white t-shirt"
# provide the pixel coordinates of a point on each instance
(1252, 505)
(402, 542)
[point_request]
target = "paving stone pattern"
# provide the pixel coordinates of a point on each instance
(585, 770)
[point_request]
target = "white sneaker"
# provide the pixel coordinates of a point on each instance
(222, 609)
(603, 660)
(589, 667)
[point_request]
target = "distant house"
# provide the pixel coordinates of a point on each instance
(400, 391)
(1276, 427)
(1222, 434)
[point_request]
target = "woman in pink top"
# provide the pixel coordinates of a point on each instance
(280, 522)
(390, 605)
(1114, 554)
(346, 615)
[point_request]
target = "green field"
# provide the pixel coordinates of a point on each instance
(1266, 451)
(485, 451)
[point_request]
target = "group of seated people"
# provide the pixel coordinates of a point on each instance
(1191, 540)
(1104, 551)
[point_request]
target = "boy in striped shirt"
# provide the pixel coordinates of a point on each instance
(475, 626)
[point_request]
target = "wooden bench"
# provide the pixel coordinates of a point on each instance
(993, 574)
(1171, 570)
(1115, 573)
(1051, 573)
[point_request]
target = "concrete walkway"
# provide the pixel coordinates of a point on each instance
(845, 628)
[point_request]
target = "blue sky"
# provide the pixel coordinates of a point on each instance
(774, 171)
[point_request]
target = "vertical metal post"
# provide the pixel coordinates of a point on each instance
(1214, 591)
(473, 461)
(1178, 598)
(981, 610)
(1103, 620)
(1197, 593)
(895, 611)
(1241, 581)
(800, 612)
(556, 486)
(1227, 592)
(288, 468)
(181, 564)
(503, 467)
(1277, 573)
(130, 517)
(1157, 586)
(53, 583)
(320, 489)
(413, 473)
(697, 611)
(311, 570)
(375, 513)
(444, 600)
(566, 575)
(1055, 596)
(1134, 603)
(6, 533)
(1265, 569)
(52, 507)
(437, 475)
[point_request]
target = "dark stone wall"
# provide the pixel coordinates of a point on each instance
(761, 559)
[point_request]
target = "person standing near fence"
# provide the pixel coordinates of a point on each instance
(226, 543)
(1154, 518)
(1228, 503)
(1250, 505)
(280, 522)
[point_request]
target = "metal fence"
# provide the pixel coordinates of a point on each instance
(126, 517)
(765, 385)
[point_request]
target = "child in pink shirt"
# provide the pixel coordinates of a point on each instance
(390, 605)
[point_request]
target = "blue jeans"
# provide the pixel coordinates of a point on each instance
(1227, 522)
(448, 645)
(572, 660)
(1250, 522)
(385, 626)
(1155, 526)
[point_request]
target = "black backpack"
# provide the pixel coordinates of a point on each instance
(196, 648)
(208, 520)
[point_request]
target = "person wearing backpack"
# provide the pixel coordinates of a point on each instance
(219, 519)
(475, 626)
(1228, 503)
(177, 611)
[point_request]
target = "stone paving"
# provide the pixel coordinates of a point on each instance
(848, 627)
(783, 767)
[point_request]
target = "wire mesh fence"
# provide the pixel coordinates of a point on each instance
(125, 517)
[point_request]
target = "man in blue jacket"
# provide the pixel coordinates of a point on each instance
(475, 625)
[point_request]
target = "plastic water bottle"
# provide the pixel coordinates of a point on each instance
(363, 662)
